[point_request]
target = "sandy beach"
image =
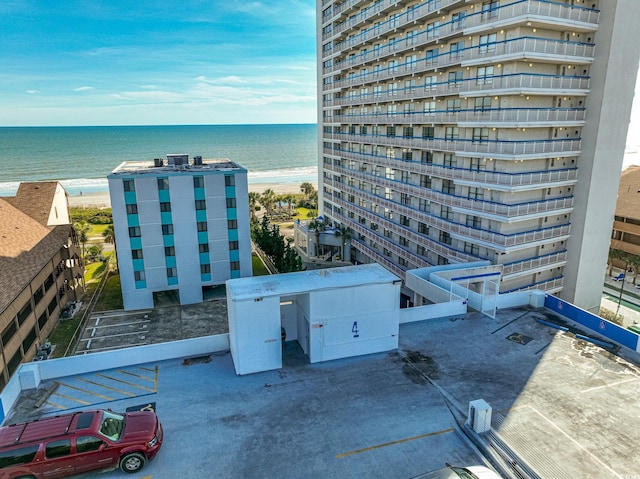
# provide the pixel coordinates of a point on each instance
(102, 200)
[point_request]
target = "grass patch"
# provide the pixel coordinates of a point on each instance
(93, 271)
(63, 332)
(97, 230)
(302, 213)
(111, 297)
(259, 269)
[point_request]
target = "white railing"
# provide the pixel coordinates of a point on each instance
(533, 263)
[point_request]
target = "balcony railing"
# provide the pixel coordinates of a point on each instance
(511, 83)
(496, 240)
(524, 48)
(496, 178)
(550, 286)
(469, 147)
(529, 116)
(533, 263)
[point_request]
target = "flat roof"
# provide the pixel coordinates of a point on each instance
(304, 281)
(566, 406)
(142, 167)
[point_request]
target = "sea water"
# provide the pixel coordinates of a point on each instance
(82, 157)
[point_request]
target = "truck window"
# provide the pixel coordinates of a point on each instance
(88, 443)
(22, 455)
(58, 448)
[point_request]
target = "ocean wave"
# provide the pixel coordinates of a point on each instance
(100, 185)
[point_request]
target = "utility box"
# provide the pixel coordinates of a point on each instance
(479, 418)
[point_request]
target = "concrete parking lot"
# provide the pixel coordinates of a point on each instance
(567, 407)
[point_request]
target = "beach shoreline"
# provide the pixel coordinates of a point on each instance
(101, 199)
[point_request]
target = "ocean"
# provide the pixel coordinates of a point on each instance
(82, 157)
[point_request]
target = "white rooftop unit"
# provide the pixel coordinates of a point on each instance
(331, 313)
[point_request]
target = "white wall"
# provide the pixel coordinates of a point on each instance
(254, 329)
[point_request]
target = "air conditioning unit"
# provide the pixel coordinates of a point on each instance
(479, 418)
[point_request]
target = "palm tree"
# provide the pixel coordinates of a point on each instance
(317, 226)
(82, 228)
(614, 254)
(307, 188)
(109, 235)
(290, 200)
(345, 234)
(254, 199)
(634, 263)
(268, 199)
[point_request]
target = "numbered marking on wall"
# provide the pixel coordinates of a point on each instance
(354, 330)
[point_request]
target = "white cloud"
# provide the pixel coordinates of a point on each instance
(83, 88)
(31, 92)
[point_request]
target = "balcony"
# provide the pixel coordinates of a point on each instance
(488, 117)
(502, 181)
(467, 147)
(553, 260)
(494, 240)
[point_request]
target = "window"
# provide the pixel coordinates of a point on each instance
(8, 333)
(490, 9)
(450, 160)
(233, 245)
(478, 164)
(407, 132)
(391, 131)
(167, 230)
(446, 212)
(455, 78)
(484, 75)
(451, 133)
(480, 135)
(231, 202)
(229, 180)
(427, 157)
(51, 307)
(475, 193)
(232, 224)
(455, 49)
(404, 241)
(482, 103)
(392, 66)
(445, 237)
(169, 251)
(428, 132)
(13, 457)
(203, 248)
(423, 229)
(425, 181)
(430, 82)
(87, 444)
(132, 209)
(165, 207)
(128, 185)
(488, 43)
(139, 275)
(404, 220)
(136, 254)
(201, 204)
(235, 265)
(24, 313)
(453, 104)
(48, 282)
(433, 29)
(202, 226)
(38, 295)
(163, 183)
(172, 272)
(471, 248)
(134, 232)
(424, 205)
(474, 221)
(457, 20)
(205, 268)
(448, 186)
(58, 448)
(198, 181)
(429, 106)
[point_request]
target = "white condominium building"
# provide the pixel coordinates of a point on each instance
(179, 227)
(458, 130)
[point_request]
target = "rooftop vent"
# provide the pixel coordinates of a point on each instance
(157, 162)
(197, 160)
(177, 159)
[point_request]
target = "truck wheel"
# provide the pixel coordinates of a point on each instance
(132, 462)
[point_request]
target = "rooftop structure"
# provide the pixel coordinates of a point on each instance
(40, 269)
(451, 131)
(180, 226)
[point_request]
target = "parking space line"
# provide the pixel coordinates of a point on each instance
(141, 376)
(399, 441)
(114, 335)
(126, 393)
(125, 382)
(106, 326)
(86, 391)
(56, 405)
(71, 398)
(617, 383)
(109, 348)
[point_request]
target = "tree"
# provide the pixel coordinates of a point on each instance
(254, 199)
(345, 234)
(634, 263)
(318, 226)
(109, 235)
(82, 228)
(272, 243)
(307, 188)
(614, 254)
(268, 199)
(289, 200)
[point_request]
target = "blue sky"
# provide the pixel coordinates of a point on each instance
(124, 62)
